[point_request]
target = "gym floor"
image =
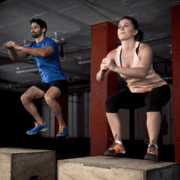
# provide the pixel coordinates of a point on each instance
(80, 147)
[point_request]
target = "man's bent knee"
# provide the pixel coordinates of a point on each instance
(48, 98)
(31, 94)
(52, 94)
(25, 98)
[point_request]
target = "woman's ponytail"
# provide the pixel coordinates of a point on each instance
(139, 35)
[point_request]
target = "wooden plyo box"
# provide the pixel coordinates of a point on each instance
(113, 168)
(22, 164)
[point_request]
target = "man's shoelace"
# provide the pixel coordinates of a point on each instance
(61, 128)
(36, 124)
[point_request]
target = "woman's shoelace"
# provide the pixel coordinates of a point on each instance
(146, 141)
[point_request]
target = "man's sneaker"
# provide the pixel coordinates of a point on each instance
(37, 128)
(62, 131)
(115, 149)
(152, 153)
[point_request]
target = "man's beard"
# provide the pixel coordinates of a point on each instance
(37, 35)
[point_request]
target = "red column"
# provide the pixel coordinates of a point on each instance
(103, 40)
(175, 24)
(64, 106)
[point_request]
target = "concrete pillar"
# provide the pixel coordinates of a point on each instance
(86, 114)
(70, 116)
(75, 115)
(103, 40)
(89, 100)
(175, 22)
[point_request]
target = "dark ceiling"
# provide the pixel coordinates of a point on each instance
(72, 20)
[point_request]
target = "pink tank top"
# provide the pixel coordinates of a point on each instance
(139, 85)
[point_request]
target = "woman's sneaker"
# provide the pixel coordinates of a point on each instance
(62, 131)
(115, 149)
(37, 128)
(152, 153)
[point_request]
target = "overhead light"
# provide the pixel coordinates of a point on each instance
(28, 70)
(167, 78)
(77, 77)
(84, 62)
(63, 39)
(175, 2)
(171, 48)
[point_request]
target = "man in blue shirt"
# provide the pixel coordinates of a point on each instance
(54, 84)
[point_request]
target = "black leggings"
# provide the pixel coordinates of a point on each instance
(153, 100)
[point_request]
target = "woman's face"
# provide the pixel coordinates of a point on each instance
(126, 30)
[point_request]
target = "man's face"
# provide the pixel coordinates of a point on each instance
(36, 30)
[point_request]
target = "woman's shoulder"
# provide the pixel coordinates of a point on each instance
(144, 46)
(145, 49)
(113, 53)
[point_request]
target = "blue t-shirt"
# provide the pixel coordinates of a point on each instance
(50, 66)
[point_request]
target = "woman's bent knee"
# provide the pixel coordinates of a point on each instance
(110, 106)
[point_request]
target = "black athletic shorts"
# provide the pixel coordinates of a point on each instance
(61, 84)
(152, 100)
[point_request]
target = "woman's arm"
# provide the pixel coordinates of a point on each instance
(104, 71)
(102, 74)
(145, 65)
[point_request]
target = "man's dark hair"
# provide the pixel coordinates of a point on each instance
(40, 22)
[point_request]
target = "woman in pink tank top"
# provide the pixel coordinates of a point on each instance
(133, 62)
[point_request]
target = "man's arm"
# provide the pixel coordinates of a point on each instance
(17, 56)
(42, 52)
